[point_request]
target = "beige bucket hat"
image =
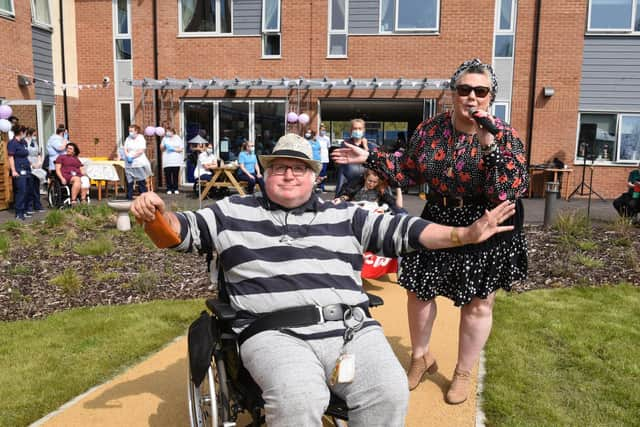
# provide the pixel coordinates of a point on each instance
(292, 146)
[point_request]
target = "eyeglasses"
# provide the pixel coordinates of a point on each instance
(465, 90)
(296, 170)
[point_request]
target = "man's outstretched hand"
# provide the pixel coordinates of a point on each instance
(349, 154)
(146, 205)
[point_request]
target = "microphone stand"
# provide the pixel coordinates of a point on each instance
(583, 184)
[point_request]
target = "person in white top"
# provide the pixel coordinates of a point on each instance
(325, 143)
(207, 160)
(172, 158)
(56, 145)
(136, 164)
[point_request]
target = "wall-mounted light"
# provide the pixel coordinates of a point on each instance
(23, 80)
(548, 91)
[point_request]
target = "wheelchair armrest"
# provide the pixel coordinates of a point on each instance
(221, 310)
(374, 300)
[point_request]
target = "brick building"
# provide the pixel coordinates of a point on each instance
(232, 69)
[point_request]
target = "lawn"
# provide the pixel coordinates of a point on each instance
(565, 357)
(47, 362)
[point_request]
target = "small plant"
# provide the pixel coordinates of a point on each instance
(13, 226)
(4, 243)
(571, 226)
(68, 282)
(96, 247)
(586, 245)
(54, 218)
(144, 282)
(630, 260)
(107, 276)
(20, 270)
(624, 241)
(588, 261)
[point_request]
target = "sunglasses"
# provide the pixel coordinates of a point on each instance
(465, 90)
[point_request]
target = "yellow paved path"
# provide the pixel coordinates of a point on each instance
(154, 392)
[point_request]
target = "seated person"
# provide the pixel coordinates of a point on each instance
(207, 161)
(287, 249)
(70, 171)
(628, 204)
(371, 188)
(248, 167)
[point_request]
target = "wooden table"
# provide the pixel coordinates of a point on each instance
(105, 171)
(223, 177)
(537, 170)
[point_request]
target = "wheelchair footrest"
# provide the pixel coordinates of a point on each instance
(221, 310)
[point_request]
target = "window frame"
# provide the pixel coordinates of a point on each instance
(629, 30)
(10, 13)
(507, 110)
(121, 36)
(34, 19)
(621, 117)
(580, 159)
(266, 32)
(512, 18)
(182, 33)
(380, 31)
(331, 32)
(398, 29)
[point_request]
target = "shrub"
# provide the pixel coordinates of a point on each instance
(68, 282)
(144, 282)
(54, 218)
(588, 261)
(98, 246)
(4, 243)
(573, 224)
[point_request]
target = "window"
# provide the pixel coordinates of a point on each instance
(338, 13)
(122, 33)
(205, 16)
(597, 137)
(506, 15)
(386, 15)
(271, 28)
(614, 15)
(6, 7)
(40, 14)
(125, 120)
(629, 138)
(501, 110)
(504, 46)
(417, 15)
(269, 124)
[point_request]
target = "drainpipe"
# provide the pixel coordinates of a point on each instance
(534, 72)
(156, 94)
(64, 73)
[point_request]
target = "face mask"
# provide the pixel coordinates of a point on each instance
(357, 134)
(209, 150)
(169, 134)
(323, 132)
(66, 135)
(307, 135)
(253, 150)
(132, 135)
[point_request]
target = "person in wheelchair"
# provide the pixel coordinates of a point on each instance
(292, 263)
(371, 188)
(70, 171)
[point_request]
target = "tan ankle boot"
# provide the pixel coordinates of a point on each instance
(459, 388)
(425, 363)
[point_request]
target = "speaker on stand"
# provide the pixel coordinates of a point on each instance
(587, 149)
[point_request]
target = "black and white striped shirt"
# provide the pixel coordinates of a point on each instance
(274, 258)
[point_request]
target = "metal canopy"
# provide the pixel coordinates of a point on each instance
(325, 83)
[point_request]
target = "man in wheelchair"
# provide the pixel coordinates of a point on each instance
(292, 267)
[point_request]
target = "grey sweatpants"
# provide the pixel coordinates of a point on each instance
(293, 375)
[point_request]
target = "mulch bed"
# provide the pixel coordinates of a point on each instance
(136, 272)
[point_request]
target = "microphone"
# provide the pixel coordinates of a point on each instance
(484, 121)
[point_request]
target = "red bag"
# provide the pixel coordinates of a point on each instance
(375, 266)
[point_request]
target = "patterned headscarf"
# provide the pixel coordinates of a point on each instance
(475, 65)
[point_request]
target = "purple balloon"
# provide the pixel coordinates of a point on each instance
(303, 118)
(149, 130)
(292, 117)
(159, 131)
(5, 111)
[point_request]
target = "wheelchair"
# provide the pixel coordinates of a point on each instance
(219, 387)
(59, 195)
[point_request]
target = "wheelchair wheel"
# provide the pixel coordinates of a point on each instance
(209, 402)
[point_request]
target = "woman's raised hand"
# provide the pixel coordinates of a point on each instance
(349, 154)
(489, 223)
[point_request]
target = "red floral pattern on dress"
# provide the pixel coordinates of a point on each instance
(453, 164)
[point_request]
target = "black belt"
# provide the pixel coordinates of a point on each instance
(454, 202)
(294, 317)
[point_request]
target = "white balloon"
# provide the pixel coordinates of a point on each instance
(5, 125)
